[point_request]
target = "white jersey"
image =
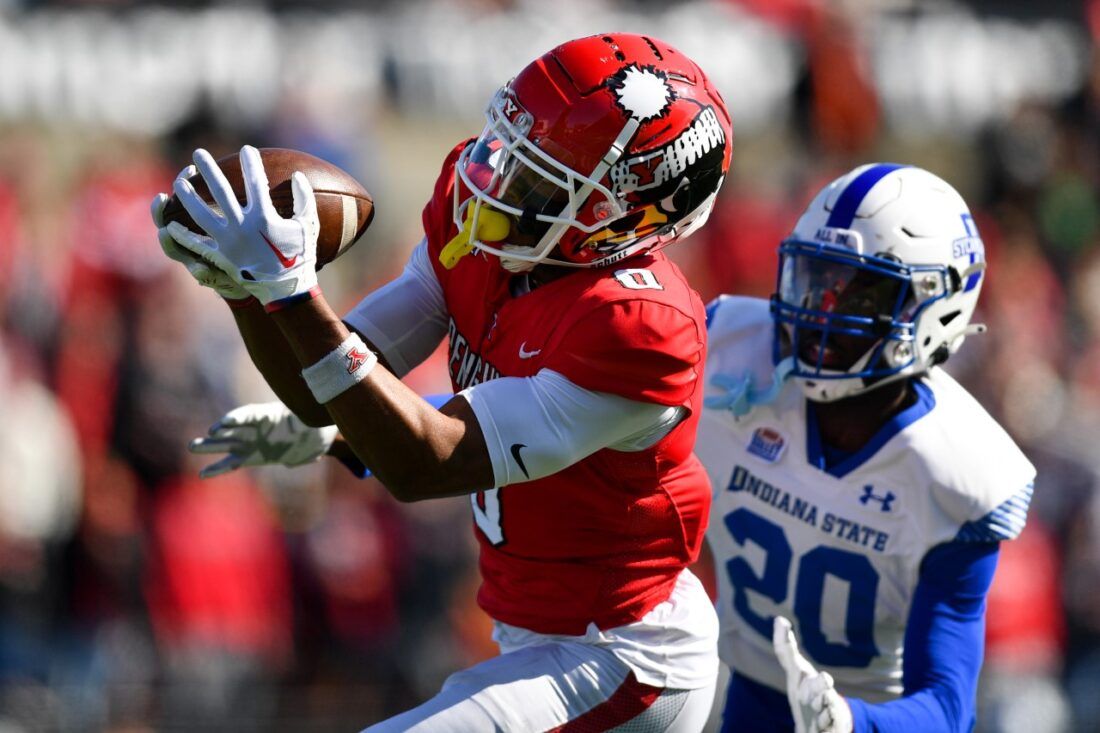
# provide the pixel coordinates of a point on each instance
(839, 551)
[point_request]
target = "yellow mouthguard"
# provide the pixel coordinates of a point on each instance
(492, 226)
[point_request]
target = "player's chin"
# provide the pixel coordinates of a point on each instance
(839, 353)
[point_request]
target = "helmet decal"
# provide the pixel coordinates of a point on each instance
(655, 168)
(642, 92)
(637, 225)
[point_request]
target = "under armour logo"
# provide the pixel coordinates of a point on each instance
(356, 358)
(870, 495)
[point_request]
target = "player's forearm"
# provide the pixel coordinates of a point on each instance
(931, 710)
(418, 452)
(271, 354)
(944, 642)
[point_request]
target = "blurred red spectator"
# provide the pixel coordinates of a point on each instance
(793, 15)
(844, 106)
(12, 228)
(111, 228)
(741, 241)
(358, 555)
(218, 575)
(1024, 626)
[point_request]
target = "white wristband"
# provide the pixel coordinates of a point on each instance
(345, 366)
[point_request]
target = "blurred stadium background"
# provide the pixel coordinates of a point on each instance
(134, 597)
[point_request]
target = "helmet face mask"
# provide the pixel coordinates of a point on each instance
(605, 147)
(884, 296)
(507, 172)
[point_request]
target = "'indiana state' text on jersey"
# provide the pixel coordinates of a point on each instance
(839, 551)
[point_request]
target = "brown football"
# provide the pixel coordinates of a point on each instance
(344, 207)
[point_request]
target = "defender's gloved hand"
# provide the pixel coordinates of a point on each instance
(207, 275)
(262, 434)
(815, 705)
(271, 257)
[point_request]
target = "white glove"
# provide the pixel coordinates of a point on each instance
(262, 434)
(815, 705)
(271, 257)
(207, 275)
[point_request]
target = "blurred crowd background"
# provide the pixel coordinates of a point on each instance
(135, 597)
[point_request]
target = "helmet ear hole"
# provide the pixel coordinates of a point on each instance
(947, 318)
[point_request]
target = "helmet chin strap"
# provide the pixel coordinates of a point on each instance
(840, 386)
(513, 265)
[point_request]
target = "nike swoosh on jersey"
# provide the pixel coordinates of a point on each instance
(525, 354)
(282, 258)
(516, 448)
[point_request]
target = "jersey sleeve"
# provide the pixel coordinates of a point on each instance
(555, 423)
(1003, 522)
(739, 336)
(981, 481)
(637, 349)
(740, 372)
(989, 510)
(406, 318)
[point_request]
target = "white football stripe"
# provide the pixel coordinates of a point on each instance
(351, 211)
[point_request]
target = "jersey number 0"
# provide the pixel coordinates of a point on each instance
(487, 516)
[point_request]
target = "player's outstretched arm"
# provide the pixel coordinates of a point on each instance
(210, 268)
(273, 357)
(944, 644)
(275, 360)
(269, 434)
(416, 451)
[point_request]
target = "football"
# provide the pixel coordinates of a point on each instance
(344, 207)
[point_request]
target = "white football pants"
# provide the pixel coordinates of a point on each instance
(565, 687)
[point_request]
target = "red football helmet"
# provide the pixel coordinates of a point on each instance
(605, 147)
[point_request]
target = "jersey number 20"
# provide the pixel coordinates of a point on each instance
(809, 589)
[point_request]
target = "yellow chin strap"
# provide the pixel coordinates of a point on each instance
(492, 226)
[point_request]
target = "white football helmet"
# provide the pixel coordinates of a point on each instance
(877, 282)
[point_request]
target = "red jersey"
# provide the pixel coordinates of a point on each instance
(603, 540)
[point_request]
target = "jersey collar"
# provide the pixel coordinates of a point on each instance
(815, 453)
